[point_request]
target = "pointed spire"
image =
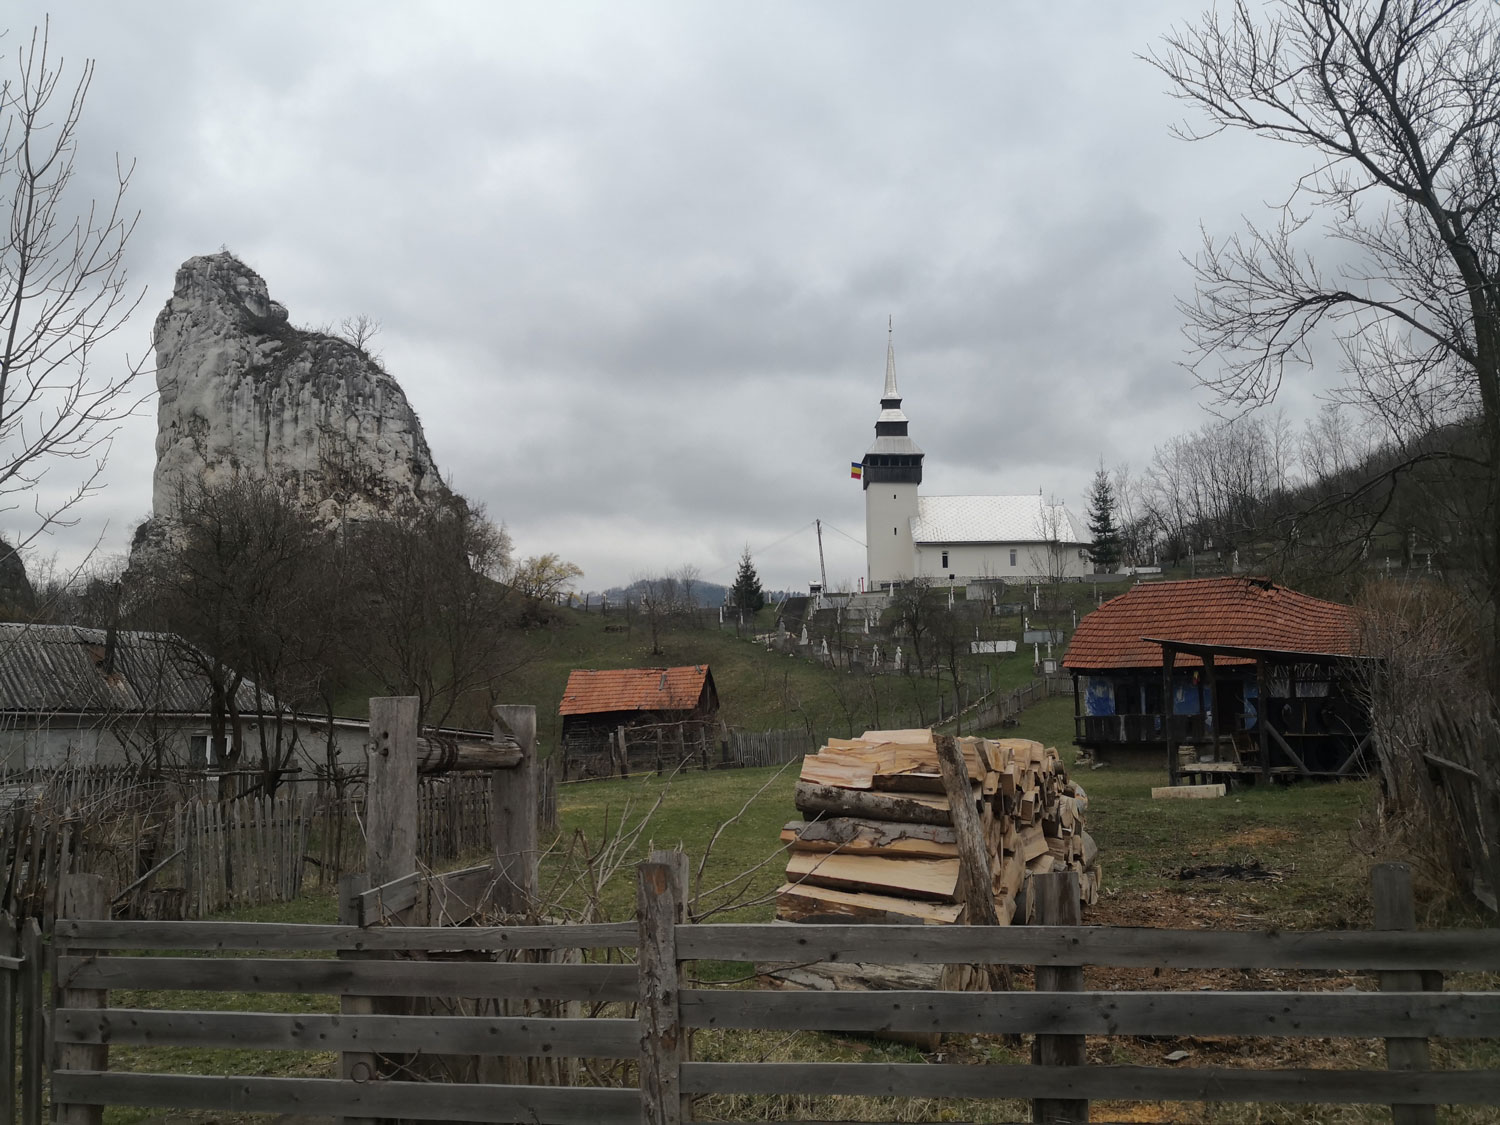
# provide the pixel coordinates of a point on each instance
(890, 361)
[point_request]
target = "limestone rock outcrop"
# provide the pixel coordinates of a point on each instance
(245, 395)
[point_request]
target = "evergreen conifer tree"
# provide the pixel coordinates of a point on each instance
(1106, 549)
(746, 594)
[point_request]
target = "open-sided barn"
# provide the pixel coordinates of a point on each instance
(599, 709)
(1258, 677)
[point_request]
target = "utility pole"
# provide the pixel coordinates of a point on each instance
(822, 569)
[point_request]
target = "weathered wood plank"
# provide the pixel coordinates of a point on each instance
(34, 1051)
(83, 896)
(798, 901)
(661, 1036)
(1188, 792)
(354, 978)
(513, 821)
(1458, 1015)
(478, 1035)
(1204, 1083)
(1057, 904)
(904, 876)
(514, 1105)
(276, 936)
(1395, 909)
(387, 900)
(1122, 946)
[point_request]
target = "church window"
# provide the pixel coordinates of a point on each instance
(1012, 556)
(894, 531)
(945, 560)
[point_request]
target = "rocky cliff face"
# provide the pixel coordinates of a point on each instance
(246, 395)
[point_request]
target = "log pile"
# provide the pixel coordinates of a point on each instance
(879, 843)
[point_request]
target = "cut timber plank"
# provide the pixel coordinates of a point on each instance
(1032, 842)
(799, 903)
(918, 878)
(853, 836)
(1187, 792)
(821, 770)
(919, 808)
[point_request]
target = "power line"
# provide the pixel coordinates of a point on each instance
(845, 534)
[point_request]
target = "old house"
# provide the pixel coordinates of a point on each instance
(617, 720)
(71, 696)
(1251, 677)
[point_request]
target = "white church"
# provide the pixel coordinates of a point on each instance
(954, 539)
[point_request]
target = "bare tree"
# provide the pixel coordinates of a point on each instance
(63, 292)
(1399, 107)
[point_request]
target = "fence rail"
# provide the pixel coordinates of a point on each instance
(670, 1004)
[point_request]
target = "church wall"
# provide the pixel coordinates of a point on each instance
(889, 510)
(968, 561)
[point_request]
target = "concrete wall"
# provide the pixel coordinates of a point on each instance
(979, 561)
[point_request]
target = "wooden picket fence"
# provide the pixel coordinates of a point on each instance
(647, 1011)
(246, 852)
(769, 747)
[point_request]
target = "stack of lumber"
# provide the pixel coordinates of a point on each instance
(878, 842)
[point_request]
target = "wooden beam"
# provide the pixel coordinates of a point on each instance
(658, 902)
(1263, 717)
(1288, 751)
(436, 754)
(1355, 755)
(82, 897)
(1168, 659)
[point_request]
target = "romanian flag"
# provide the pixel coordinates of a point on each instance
(856, 469)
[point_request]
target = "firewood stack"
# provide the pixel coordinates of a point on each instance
(878, 842)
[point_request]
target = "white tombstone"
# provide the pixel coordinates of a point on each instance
(875, 657)
(803, 639)
(950, 597)
(867, 624)
(825, 646)
(898, 658)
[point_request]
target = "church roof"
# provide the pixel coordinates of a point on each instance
(994, 519)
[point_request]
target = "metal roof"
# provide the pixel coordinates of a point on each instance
(994, 519)
(59, 668)
(894, 443)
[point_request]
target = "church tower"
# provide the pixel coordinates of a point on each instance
(891, 472)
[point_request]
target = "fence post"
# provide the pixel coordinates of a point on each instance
(660, 898)
(513, 807)
(1390, 889)
(391, 789)
(33, 1045)
(82, 897)
(9, 996)
(357, 1066)
(1058, 904)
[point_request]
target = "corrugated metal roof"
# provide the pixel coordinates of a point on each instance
(1248, 613)
(894, 443)
(51, 668)
(994, 519)
(633, 689)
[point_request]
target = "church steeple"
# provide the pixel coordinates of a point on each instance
(890, 365)
(894, 458)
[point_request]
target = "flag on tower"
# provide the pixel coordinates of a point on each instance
(856, 469)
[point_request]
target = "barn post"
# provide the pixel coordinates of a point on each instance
(1168, 658)
(1263, 716)
(513, 812)
(1211, 708)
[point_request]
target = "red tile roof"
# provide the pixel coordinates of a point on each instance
(633, 689)
(1238, 612)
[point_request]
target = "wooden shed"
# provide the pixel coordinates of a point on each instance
(1239, 675)
(624, 719)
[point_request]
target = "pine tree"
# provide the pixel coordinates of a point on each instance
(746, 594)
(1106, 549)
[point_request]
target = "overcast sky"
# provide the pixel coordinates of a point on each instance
(634, 262)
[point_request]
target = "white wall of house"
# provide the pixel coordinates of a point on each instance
(1010, 561)
(52, 741)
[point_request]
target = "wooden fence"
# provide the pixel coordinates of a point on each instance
(769, 747)
(669, 1003)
